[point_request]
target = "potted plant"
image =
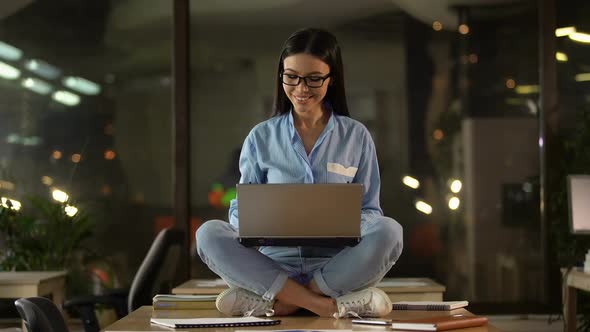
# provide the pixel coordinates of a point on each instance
(45, 236)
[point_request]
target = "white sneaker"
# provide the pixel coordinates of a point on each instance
(370, 302)
(240, 302)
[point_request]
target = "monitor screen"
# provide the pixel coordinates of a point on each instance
(579, 203)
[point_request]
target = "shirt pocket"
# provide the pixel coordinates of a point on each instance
(338, 173)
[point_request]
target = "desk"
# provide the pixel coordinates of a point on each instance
(139, 320)
(14, 285)
(575, 279)
(33, 283)
(398, 289)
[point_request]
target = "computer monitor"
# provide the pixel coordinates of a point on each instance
(578, 189)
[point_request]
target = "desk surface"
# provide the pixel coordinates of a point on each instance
(579, 279)
(139, 320)
(389, 285)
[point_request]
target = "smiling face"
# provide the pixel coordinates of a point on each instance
(306, 101)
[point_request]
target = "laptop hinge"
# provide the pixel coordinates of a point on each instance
(333, 242)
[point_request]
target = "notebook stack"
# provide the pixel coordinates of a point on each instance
(435, 323)
(174, 302)
(429, 305)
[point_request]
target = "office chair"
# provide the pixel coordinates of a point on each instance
(144, 286)
(40, 315)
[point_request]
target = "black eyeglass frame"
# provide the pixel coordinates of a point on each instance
(299, 78)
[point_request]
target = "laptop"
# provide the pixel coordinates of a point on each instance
(322, 215)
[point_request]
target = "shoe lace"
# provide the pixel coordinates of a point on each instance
(254, 304)
(350, 308)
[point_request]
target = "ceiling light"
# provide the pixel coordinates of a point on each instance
(13, 138)
(580, 37)
(10, 203)
(437, 26)
(8, 72)
(71, 210)
(9, 52)
(454, 203)
(56, 154)
(109, 155)
(527, 89)
(456, 186)
(423, 207)
(561, 57)
(411, 182)
(463, 29)
(66, 98)
(81, 85)
(46, 180)
(31, 140)
(60, 196)
(510, 83)
(582, 77)
(36, 85)
(565, 31)
(42, 69)
(438, 134)
(6, 185)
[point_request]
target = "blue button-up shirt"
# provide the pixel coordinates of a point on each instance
(273, 152)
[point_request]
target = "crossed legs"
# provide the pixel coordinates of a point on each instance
(294, 296)
(249, 269)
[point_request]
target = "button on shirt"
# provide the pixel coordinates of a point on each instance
(273, 152)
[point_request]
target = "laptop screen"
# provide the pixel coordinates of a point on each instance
(296, 212)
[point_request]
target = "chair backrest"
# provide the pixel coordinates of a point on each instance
(40, 315)
(145, 283)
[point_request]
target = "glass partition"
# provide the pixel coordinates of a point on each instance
(85, 93)
(570, 125)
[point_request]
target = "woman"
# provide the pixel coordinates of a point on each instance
(309, 139)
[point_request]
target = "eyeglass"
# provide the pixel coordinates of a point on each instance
(310, 81)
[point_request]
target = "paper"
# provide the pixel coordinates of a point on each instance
(184, 298)
(211, 283)
(339, 169)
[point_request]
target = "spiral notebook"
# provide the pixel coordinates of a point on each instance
(213, 322)
(431, 306)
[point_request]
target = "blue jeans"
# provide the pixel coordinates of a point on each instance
(336, 271)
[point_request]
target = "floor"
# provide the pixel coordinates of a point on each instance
(508, 323)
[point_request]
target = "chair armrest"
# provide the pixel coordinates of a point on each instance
(85, 305)
(86, 300)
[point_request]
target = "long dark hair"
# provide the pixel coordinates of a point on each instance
(324, 46)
